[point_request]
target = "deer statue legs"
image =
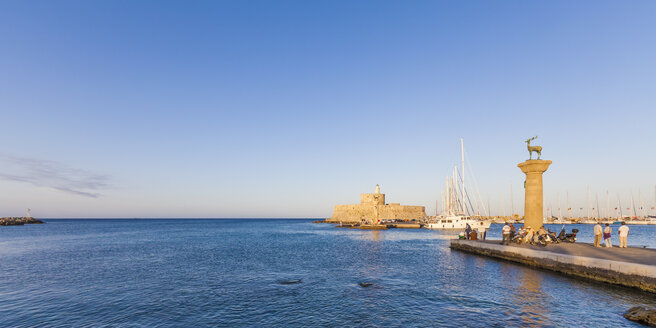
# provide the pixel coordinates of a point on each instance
(531, 149)
(536, 149)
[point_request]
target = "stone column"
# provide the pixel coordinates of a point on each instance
(533, 211)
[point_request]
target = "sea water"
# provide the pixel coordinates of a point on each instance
(231, 273)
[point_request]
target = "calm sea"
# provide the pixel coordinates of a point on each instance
(228, 273)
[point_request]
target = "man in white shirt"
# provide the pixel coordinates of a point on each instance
(481, 231)
(598, 231)
(624, 234)
(505, 234)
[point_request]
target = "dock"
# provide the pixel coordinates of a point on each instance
(632, 267)
(380, 226)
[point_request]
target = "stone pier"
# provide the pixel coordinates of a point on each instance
(631, 267)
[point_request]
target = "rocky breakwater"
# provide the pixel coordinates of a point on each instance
(643, 315)
(8, 221)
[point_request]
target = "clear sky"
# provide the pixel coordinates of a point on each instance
(286, 108)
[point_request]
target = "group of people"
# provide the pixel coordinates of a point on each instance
(476, 233)
(526, 235)
(606, 233)
(529, 235)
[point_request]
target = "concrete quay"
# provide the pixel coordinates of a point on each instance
(631, 267)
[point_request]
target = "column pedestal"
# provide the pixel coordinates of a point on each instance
(533, 209)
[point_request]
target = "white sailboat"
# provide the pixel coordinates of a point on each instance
(456, 212)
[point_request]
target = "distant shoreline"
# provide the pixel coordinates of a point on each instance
(16, 220)
(181, 218)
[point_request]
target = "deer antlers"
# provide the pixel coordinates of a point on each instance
(527, 140)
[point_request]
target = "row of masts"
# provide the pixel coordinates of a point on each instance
(612, 209)
(456, 201)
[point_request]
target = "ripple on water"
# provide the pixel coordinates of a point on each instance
(228, 273)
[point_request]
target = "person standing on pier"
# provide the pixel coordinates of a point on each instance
(505, 234)
(598, 231)
(607, 233)
(481, 231)
(624, 234)
(468, 231)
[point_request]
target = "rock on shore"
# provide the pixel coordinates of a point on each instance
(643, 315)
(18, 221)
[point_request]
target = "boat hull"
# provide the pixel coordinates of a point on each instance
(456, 224)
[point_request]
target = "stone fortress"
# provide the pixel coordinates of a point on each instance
(372, 208)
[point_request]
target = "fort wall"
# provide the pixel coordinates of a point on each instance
(372, 199)
(359, 212)
(366, 211)
(369, 204)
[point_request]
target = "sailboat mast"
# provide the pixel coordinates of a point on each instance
(503, 206)
(447, 195)
(442, 198)
(550, 215)
(560, 212)
(642, 213)
(597, 201)
(512, 204)
(633, 205)
(607, 205)
(619, 205)
(489, 214)
(455, 186)
(462, 159)
(587, 210)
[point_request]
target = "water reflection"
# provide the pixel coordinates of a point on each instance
(530, 299)
(395, 234)
(375, 235)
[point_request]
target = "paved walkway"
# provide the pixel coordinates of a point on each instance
(631, 254)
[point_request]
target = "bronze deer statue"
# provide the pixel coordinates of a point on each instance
(531, 149)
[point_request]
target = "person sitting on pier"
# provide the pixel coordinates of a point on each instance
(513, 232)
(521, 231)
(529, 235)
(541, 232)
(473, 235)
(519, 236)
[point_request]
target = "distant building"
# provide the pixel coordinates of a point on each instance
(372, 208)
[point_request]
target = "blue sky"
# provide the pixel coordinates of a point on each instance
(286, 108)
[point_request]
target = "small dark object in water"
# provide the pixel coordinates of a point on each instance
(365, 284)
(9, 221)
(642, 315)
(291, 282)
